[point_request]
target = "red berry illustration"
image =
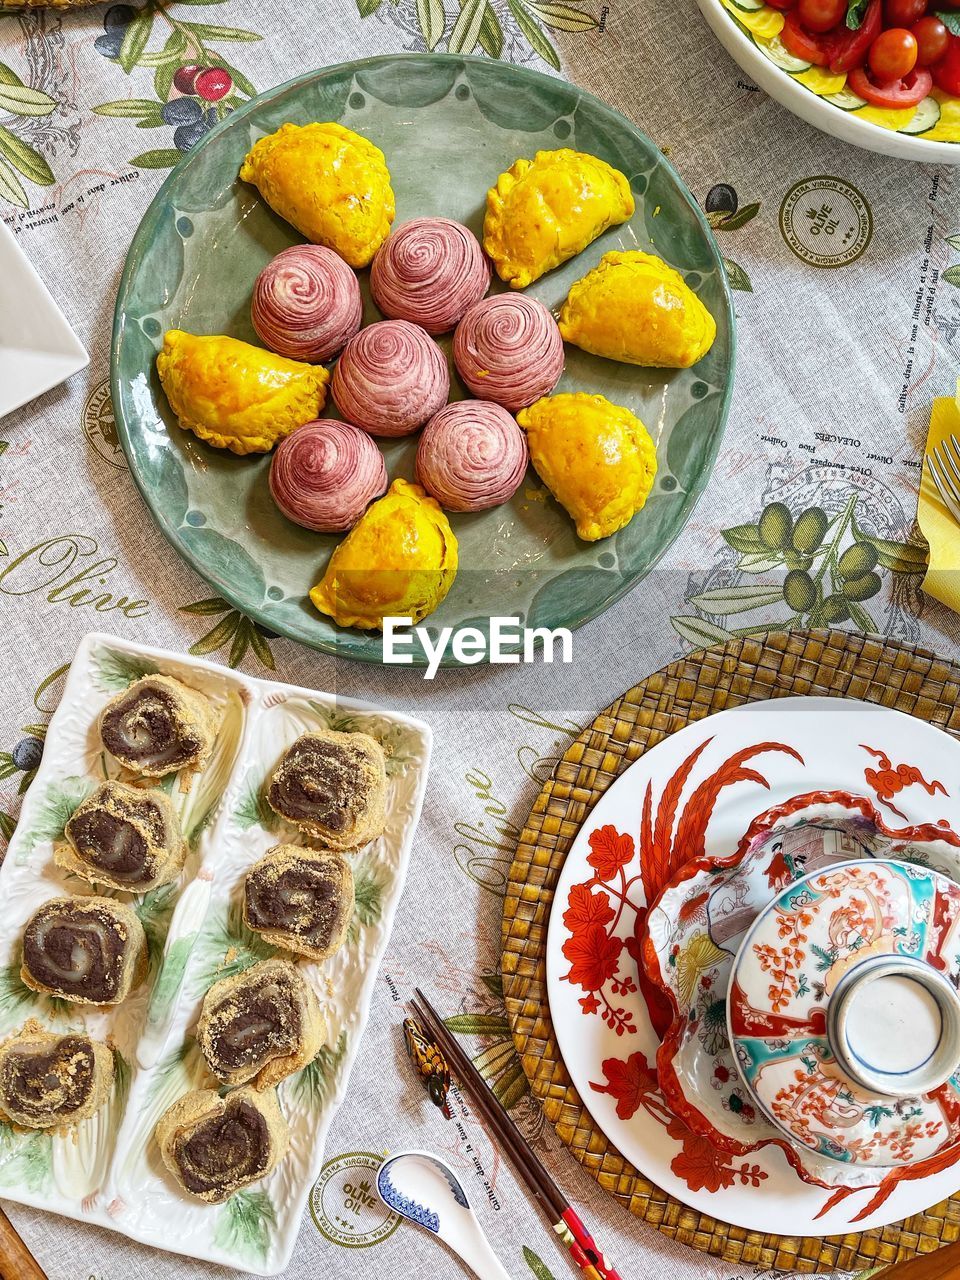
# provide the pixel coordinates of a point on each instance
(213, 84)
(186, 78)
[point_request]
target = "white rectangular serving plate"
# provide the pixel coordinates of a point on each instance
(38, 349)
(108, 1169)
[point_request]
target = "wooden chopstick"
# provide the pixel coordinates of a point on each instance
(16, 1260)
(570, 1230)
(536, 1177)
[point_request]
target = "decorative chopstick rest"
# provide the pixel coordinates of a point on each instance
(123, 837)
(48, 1080)
(262, 1025)
(88, 950)
(332, 786)
(158, 725)
(213, 1146)
(300, 899)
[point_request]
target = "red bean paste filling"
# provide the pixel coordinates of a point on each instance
(148, 728)
(301, 900)
(319, 782)
(230, 1148)
(76, 950)
(112, 844)
(35, 1084)
(267, 1024)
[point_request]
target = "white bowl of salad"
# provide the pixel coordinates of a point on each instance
(882, 74)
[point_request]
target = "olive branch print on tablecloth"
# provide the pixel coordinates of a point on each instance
(476, 26)
(725, 213)
(830, 565)
(498, 1061)
(194, 85)
(234, 629)
(17, 158)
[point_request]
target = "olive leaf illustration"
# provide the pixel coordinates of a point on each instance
(498, 1061)
(234, 628)
(16, 156)
(737, 276)
(477, 24)
(539, 1268)
(721, 220)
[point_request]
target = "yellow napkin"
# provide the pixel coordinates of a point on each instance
(936, 523)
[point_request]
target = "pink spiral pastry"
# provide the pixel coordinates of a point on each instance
(430, 271)
(325, 474)
(508, 349)
(472, 455)
(391, 378)
(306, 303)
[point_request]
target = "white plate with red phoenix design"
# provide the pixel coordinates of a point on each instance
(694, 796)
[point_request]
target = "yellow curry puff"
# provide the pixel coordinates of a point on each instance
(595, 457)
(398, 562)
(332, 184)
(236, 396)
(634, 307)
(546, 210)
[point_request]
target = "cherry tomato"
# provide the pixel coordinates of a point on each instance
(821, 15)
(802, 44)
(932, 38)
(946, 72)
(903, 13)
(913, 88)
(893, 55)
(848, 49)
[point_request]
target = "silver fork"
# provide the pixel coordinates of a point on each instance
(943, 463)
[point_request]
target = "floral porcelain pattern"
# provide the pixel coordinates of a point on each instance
(670, 832)
(695, 930)
(820, 931)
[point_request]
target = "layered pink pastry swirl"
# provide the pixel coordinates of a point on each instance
(306, 303)
(325, 475)
(430, 271)
(508, 349)
(391, 378)
(472, 455)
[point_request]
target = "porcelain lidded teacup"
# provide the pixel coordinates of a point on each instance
(844, 1013)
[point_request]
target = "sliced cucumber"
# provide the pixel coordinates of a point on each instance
(776, 51)
(748, 6)
(846, 100)
(927, 115)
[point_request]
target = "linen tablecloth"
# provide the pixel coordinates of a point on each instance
(847, 271)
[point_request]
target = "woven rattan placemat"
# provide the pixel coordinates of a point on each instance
(828, 663)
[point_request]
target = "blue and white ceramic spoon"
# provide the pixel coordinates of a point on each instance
(424, 1189)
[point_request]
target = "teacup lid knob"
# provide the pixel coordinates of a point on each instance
(893, 1024)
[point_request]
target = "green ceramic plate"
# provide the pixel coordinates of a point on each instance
(448, 125)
